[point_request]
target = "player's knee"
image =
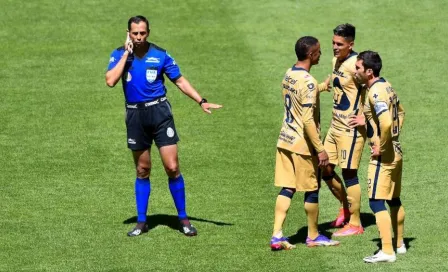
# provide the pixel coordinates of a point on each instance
(351, 182)
(328, 177)
(312, 197)
(394, 202)
(328, 171)
(288, 192)
(349, 173)
(172, 169)
(377, 205)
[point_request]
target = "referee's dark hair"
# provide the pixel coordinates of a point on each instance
(371, 60)
(303, 46)
(137, 19)
(347, 31)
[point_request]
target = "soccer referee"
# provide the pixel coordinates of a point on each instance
(141, 65)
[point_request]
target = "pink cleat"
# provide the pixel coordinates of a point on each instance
(342, 219)
(349, 230)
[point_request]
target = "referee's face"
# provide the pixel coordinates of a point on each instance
(138, 33)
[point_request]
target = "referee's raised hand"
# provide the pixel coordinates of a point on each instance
(128, 45)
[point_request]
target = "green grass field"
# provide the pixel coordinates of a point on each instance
(67, 178)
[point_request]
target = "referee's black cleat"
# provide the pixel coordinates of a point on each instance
(188, 229)
(138, 230)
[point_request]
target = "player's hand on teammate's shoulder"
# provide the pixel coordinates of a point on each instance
(374, 151)
(207, 106)
(357, 120)
(323, 158)
(128, 45)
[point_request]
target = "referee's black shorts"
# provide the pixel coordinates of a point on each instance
(148, 121)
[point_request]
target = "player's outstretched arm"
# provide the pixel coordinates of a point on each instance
(184, 85)
(325, 86)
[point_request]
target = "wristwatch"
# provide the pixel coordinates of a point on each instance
(203, 101)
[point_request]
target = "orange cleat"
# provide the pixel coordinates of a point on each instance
(349, 230)
(342, 219)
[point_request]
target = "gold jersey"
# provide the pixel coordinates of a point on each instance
(301, 123)
(348, 94)
(384, 118)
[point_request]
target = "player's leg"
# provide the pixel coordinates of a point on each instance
(308, 181)
(350, 151)
(378, 191)
(142, 162)
(334, 182)
(284, 178)
(397, 212)
(176, 185)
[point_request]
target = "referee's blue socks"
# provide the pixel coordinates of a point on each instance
(142, 191)
(177, 189)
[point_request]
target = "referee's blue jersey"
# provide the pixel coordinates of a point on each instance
(142, 78)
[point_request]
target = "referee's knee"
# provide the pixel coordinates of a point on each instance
(143, 171)
(172, 169)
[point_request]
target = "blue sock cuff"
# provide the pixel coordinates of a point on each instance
(142, 180)
(180, 178)
(289, 193)
(312, 197)
(377, 205)
(351, 182)
(394, 202)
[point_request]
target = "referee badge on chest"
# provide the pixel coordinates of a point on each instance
(151, 75)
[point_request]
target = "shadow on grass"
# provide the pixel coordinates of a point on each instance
(170, 221)
(367, 219)
(407, 242)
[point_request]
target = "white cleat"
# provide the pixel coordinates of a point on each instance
(380, 257)
(402, 249)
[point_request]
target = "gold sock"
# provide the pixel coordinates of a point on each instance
(397, 215)
(338, 190)
(312, 214)
(354, 200)
(384, 224)
(281, 208)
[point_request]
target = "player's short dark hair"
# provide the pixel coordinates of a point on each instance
(347, 31)
(137, 19)
(303, 45)
(371, 60)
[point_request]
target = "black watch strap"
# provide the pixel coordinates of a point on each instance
(203, 101)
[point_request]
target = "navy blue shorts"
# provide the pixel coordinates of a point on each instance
(150, 121)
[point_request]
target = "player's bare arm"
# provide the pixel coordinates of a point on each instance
(184, 85)
(325, 86)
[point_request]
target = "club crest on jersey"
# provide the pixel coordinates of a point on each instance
(151, 75)
(310, 86)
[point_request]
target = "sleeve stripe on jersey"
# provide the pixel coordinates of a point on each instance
(378, 114)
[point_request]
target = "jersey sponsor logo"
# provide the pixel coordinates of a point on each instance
(170, 132)
(129, 77)
(112, 59)
(152, 60)
(151, 75)
(380, 107)
(131, 141)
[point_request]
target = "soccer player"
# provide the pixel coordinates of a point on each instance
(343, 143)
(141, 65)
(384, 115)
(300, 151)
